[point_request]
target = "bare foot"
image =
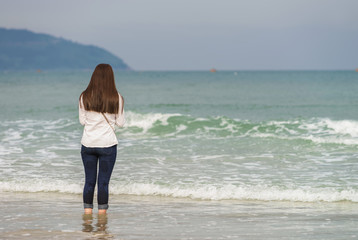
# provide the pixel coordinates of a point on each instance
(88, 210)
(102, 211)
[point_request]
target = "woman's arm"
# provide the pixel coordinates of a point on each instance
(120, 119)
(81, 112)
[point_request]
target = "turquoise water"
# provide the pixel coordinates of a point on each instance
(262, 136)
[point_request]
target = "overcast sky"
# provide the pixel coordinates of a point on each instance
(202, 34)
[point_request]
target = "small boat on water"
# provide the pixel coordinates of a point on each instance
(213, 70)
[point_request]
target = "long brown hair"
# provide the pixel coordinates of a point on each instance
(101, 94)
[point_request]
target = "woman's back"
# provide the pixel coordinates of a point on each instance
(98, 132)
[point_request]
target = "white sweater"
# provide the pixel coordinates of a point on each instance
(97, 132)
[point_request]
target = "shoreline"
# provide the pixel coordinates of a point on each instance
(60, 216)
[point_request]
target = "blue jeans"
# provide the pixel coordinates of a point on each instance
(106, 158)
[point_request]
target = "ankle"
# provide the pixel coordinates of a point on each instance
(88, 210)
(102, 211)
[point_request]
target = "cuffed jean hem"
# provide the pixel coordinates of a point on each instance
(87, 205)
(103, 206)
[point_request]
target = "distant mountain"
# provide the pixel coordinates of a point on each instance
(26, 50)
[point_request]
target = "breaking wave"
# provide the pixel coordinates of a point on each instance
(200, 192)
(317, 130)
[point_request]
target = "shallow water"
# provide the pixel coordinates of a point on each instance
(60, 216)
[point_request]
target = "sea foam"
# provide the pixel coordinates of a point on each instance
(200, 192)
(146, 121)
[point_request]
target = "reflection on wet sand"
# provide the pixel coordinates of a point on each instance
(98, 229)
(87, 223)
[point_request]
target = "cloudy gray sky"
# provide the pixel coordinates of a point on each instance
(201, 34)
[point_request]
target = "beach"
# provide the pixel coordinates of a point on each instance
(224, 155)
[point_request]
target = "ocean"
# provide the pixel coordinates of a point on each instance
(225, 155)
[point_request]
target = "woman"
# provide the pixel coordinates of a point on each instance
(100, 109)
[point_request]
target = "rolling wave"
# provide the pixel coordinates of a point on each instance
(316, 130)
(200, 192)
